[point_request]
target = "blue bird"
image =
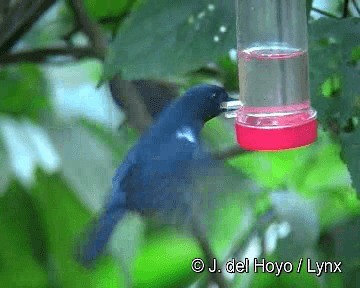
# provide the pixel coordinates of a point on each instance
(158, 175)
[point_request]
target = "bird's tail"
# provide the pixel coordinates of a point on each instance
(99, 236)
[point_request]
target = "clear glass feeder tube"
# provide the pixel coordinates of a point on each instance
(275, 111)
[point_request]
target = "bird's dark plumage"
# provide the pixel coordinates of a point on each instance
(158, 174)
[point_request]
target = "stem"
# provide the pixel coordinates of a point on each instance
(346, 8)
(42, 55)
(19, 20)
(322, 12)
(132, 103)
(199, 234)
(229, 153)
(240, 244)
(356, 5)
(90, 28)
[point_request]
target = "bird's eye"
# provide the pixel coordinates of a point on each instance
(213, 96)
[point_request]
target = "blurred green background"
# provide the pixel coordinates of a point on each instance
(61, 139)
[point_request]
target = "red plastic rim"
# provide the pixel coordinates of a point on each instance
(274, 139)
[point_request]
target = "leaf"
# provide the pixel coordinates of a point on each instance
(318, 175)
(355, 54)
(229, 72)
(285, 280)
(119, 142)
(64, 218)
(333, 44)
(304, 227)
(126, 240)
(88, 149)
(22, 241)
(108, 8)
(341, 201)
(156, 95)
(271, 169)
(351, 153)
(162, 39)
(219, 133)
(165, 261)
(22, 159)
(343, 244)
(331, 47)
(5, 170)
(23, 91)
(83, 156)
(237, 210)
(50, 29)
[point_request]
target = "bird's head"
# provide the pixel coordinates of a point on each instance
(203, 102)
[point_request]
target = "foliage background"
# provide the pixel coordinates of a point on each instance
(61, 139)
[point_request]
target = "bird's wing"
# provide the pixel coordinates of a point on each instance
(163, 180)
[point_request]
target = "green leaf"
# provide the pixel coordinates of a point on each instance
(219, 133)
(22, 241)
(163, 38)
(341, 201)
(50, 29)
(331, 47)
(119, 142)
(64, 219)
(331, 86)
(83, 155)
(350, 153)
(275, 167)
(285, 280)
(165, 261)
(355, 54)
(126, 240)
(5, 171)
(23, 91)
(108, 8)
(229, 73)
(237, 210)
(305, 230)
(344, 246)
(318, 175)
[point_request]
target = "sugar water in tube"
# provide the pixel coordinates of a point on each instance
(275, 111)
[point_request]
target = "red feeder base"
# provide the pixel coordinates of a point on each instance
(274, 139)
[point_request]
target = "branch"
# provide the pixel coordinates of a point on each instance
(240, 244)
(19, 21)
(134, 107)
(356, 5)
(90, 28)
(67, 37)
(322, 12)
(132, 103)
(200, 235)
(103, 21)
(42, 55)
(114, 19)
(345, 9)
